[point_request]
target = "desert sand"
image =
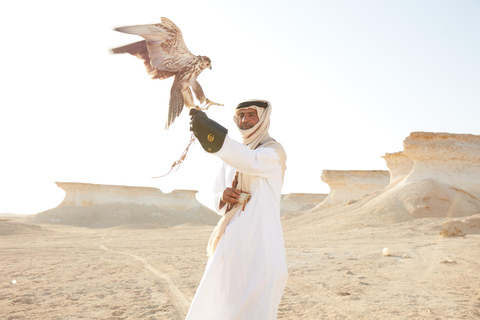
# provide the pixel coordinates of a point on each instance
(410, 250)
(142, 272)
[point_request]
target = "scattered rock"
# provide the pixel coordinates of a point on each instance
(386, 252)
(461, 227)
(446, 261)
(452, 232)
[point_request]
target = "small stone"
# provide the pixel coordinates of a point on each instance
(448, 261)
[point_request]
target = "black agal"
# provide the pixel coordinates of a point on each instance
(257, 103)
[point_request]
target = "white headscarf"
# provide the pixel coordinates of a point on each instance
(258, 134)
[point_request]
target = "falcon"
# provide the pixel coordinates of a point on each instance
(165, 54)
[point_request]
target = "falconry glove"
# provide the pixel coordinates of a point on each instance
(210, 134)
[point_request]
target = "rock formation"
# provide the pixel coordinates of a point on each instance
(295, 202)
(399, 165)
(98, 206)
(87, 194)
(452, 159)
(350, 185)
(436, 176)
(443, 183)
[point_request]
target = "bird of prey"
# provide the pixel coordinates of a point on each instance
(165, 54)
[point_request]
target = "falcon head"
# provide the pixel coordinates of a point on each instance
(205, 62)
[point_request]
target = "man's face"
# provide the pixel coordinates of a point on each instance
(248, 118)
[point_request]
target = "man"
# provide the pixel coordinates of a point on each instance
(246, 272)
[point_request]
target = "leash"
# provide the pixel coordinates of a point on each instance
(176, 164)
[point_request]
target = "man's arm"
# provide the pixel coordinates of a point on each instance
(264, 162)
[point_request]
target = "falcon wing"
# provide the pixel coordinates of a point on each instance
(139, 50)
(176, 45)
(165, 44)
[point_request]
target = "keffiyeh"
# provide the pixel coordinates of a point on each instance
(257, 135)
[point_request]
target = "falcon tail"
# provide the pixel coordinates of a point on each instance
(175, 104)
(133, 48)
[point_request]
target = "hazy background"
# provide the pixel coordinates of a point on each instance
(348, 81)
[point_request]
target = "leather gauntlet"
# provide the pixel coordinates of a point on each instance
(210, 133)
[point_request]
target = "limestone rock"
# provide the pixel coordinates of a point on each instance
(399, 165)
(100, 206)
(350, 185)
(438, 188)
(296, 202)
(452, 159)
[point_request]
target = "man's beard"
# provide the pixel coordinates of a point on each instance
(246, 126)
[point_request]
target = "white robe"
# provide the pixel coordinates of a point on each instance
(246, 276)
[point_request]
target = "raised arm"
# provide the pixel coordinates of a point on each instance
(264, 162)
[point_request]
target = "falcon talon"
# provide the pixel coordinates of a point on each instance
(211, 103)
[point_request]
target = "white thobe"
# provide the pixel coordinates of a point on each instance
(246, 276)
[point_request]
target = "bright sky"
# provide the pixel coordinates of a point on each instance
(348, 82)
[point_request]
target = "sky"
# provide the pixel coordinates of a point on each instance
(348, 82)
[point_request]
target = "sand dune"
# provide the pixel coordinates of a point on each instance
(7, 227)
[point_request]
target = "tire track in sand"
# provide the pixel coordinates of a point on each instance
(175, 293)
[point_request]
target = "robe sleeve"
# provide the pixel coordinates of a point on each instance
(264, 162)
(218, 190)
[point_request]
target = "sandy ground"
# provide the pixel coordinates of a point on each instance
(62, 272)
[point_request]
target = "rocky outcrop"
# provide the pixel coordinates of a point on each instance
(443, 183)
(99, 206)
(399, 165)
(452, 159)
(350, 185)
(87, 194)
(296, 202)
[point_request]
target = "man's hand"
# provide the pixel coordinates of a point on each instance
(230, 195)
